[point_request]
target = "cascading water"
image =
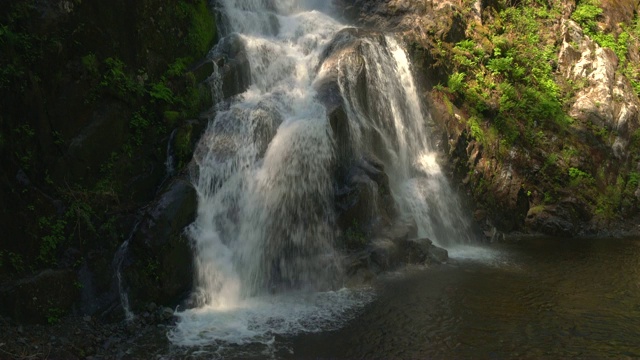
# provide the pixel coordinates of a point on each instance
(266, 217)
(389, 124)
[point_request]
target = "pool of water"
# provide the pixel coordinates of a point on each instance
(537, 298)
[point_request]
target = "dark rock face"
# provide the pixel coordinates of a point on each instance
(42, 298)
(564, 219)
(394, 247)
(363, 200)
(159, 267)
(233, 65)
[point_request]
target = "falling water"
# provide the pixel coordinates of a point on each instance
(390, 124)
(265, 231)
(117, 263)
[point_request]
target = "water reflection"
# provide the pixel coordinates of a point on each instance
(548, 298)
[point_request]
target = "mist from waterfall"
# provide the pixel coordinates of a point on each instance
(265, 232)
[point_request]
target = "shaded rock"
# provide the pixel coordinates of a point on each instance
(233, 65)
(393, 247)
(41, 298)
(160, 261)
(363, 201)
(423, 251)
(90, 147)
(562, 219)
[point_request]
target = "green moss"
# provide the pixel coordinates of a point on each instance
(91, 63)
(118, 81)
(160, 91)
(202, 32)
(183, 145)
(171, 117)
(476, 129)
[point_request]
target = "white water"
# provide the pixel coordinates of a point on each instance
(392, 127)
(264, 235)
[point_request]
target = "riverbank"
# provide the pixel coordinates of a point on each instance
(89, 337)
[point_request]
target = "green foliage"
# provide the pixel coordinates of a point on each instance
(178, 67)
(579, 178)
(183, 147)
(54, 314)
(139, 124)
(91, 63)
(21, 51)
(203, 28)
(54, 238)
(151, 270)
(476, 129)
(118, 81)
(16, 261)
(171, 117)
(456, 82)
(586, 13)
(500, 65)
(160, 91)
(576, 173)
(354, 237)
(504, 72)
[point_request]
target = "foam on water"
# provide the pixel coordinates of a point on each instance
(481, 254)
(259, 319)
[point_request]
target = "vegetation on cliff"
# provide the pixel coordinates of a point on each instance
(91, 94)
(535, 125)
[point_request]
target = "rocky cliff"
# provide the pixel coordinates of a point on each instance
(536, 103)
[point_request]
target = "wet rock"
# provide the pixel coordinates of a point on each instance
(363, 201)
(166, 314)
(159, 267)
(425, 252)
(233, 64)
(393, 247)
(363, 197)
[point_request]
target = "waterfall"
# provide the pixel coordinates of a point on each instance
(391, 125)
(265, 231)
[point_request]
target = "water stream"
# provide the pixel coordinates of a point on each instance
(266, 259)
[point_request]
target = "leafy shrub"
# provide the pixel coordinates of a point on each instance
(456, 82)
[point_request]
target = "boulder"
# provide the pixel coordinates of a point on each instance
(159, 265)
(233, 64)
(393, 247)
(562, 219)
(363, 201)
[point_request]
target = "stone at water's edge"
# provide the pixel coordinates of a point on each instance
(394, 247)
(159, 267)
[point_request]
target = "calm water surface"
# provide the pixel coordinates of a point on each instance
(538, 298)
